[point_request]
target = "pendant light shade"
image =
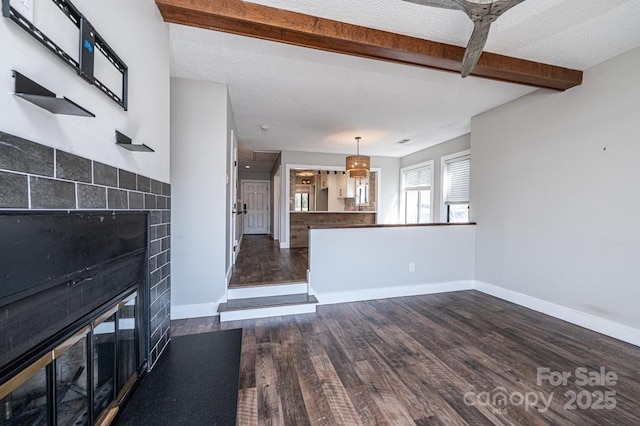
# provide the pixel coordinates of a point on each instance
(358, 165)
(358, 174)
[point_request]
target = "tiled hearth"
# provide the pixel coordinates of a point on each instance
(37, 177)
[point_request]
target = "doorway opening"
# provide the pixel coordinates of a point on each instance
(260, 259)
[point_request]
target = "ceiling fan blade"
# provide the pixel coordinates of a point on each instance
(443, 4)
(482, 13)
(498, 7)
(475, 46)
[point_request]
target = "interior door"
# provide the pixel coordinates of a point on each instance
(255, 198)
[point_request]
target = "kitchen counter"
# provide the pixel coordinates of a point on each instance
(299, 223)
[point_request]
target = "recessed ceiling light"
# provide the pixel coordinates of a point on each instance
(264, 127)
(247, 167)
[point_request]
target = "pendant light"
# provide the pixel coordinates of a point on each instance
(358, 165)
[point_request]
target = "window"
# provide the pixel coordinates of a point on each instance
(362, 191)
(302, 202)
(455, 169)
(458, 213)
(416, 193)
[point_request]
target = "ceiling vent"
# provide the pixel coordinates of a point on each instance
(403, 141)
(265, 157)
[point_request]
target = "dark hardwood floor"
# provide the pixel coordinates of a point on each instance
(262, 262)
(428, 360)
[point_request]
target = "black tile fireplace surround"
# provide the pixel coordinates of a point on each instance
(73, 330)
(34, 176)
(37, 180)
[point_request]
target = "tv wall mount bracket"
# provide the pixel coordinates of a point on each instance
(89, 40)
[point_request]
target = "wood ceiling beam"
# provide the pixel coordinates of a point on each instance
(268, 23)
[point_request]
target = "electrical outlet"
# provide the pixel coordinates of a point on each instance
(412, 267)
(24, 8)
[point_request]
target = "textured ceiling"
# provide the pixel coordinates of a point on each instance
(570, 33)
(318, 101)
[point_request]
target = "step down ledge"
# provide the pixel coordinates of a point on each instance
(267, 290)
(266, 302)
(267, 312)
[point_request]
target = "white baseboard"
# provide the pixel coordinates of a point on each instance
(196, 310)
(601, 325)
(388, 292)
(284, 245)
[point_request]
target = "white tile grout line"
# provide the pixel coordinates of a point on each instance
(29, 192)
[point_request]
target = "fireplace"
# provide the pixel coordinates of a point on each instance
(73, 325)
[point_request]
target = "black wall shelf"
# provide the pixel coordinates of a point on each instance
(125, 142)
(31, 91)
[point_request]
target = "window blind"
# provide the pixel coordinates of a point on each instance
(418, 177)
(457, 180)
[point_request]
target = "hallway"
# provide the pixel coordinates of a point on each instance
(261, 262)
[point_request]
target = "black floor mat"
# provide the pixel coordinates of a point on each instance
(195, 382)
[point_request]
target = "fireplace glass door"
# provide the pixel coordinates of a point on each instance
(127, 345)
(72, 394)
(56, 389)
(104, 363)
(27, 403)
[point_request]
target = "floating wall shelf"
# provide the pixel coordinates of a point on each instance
(31, 91)
(125, 142)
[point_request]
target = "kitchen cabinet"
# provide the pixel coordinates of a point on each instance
(324, 180)
(346, 186)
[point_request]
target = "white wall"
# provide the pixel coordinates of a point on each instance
(199, 145)
(389, 201)
(353, 264)
(436, 153)
(135, 30)
(252, 175)
(554, 189)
